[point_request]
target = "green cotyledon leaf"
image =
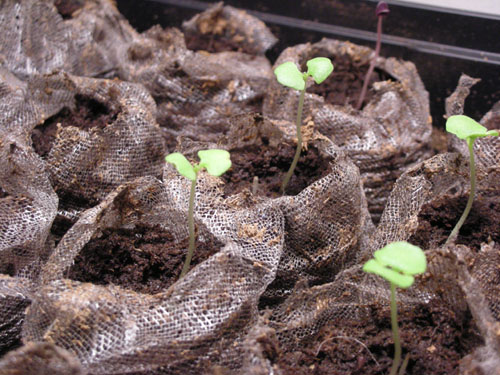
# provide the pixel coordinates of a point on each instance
(182, 165)
(215, 161)
(319, 68)
(289, 75)
(464, 127)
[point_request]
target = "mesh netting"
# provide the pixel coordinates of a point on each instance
(298, 254)
(197, 91)
(234, 26)
(389, 134)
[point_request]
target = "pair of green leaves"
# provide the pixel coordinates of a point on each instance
(397, 263)
(466, 128)
(289, 75)
(215, 161)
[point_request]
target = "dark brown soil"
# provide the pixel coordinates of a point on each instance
(67, 7)
(87, 114)
(439, 142)
(3, 193)
(216, 35)
(212, 43)
(145, 259)
(437, 219)
(344, 85)
(435, 337)
(270, 166)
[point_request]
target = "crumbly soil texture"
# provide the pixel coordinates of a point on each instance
(262, 169)
(87, 114)
(145, 259)
(437, 219)
(344, 85)
(433, 336)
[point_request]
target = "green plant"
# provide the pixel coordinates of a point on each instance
(466, 128)
(397, 263)
(289, 75)
(216, 162)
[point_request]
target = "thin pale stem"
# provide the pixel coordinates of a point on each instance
(255, 185)
(190, 252)
(298, 124)
(395, 331)
(372, 64)
(472, 193)
(404, 365)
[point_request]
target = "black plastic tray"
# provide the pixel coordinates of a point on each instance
(442, 43)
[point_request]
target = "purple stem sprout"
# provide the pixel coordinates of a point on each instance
(381, 11)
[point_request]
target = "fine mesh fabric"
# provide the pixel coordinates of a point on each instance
(389, 134)
(302, 251)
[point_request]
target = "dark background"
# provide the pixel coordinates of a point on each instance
(441, 43)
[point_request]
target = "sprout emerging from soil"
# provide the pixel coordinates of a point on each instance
(381, 11)
(466, 128)
(397, 263)
(216, 162)
(289, 75)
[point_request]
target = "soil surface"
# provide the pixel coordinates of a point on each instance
(67, 7)
(437, 219)
(87, 114)
(145, 259)
(3, 193)
(434, 336)
(344, 85)
(212, 43)
(270, 165)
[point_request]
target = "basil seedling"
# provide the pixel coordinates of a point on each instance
(397, 262)
(466, 128)
(289, 75)
(216, 162)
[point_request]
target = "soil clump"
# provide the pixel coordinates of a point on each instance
(144, 259)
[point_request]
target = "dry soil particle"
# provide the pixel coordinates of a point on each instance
(144, 259)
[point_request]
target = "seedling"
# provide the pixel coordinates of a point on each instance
(289, 75)
(397, 263)
(466, 128)
(216, 162)
(381, 11)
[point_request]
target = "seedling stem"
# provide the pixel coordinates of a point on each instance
(395, 331)
(216, 162)
(466, 128)
(289, 75)
(298, 124)
(397, 263)
(381, 11)
(472, 168)
(190, 252)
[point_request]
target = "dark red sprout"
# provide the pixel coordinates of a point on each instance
(382, 9)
